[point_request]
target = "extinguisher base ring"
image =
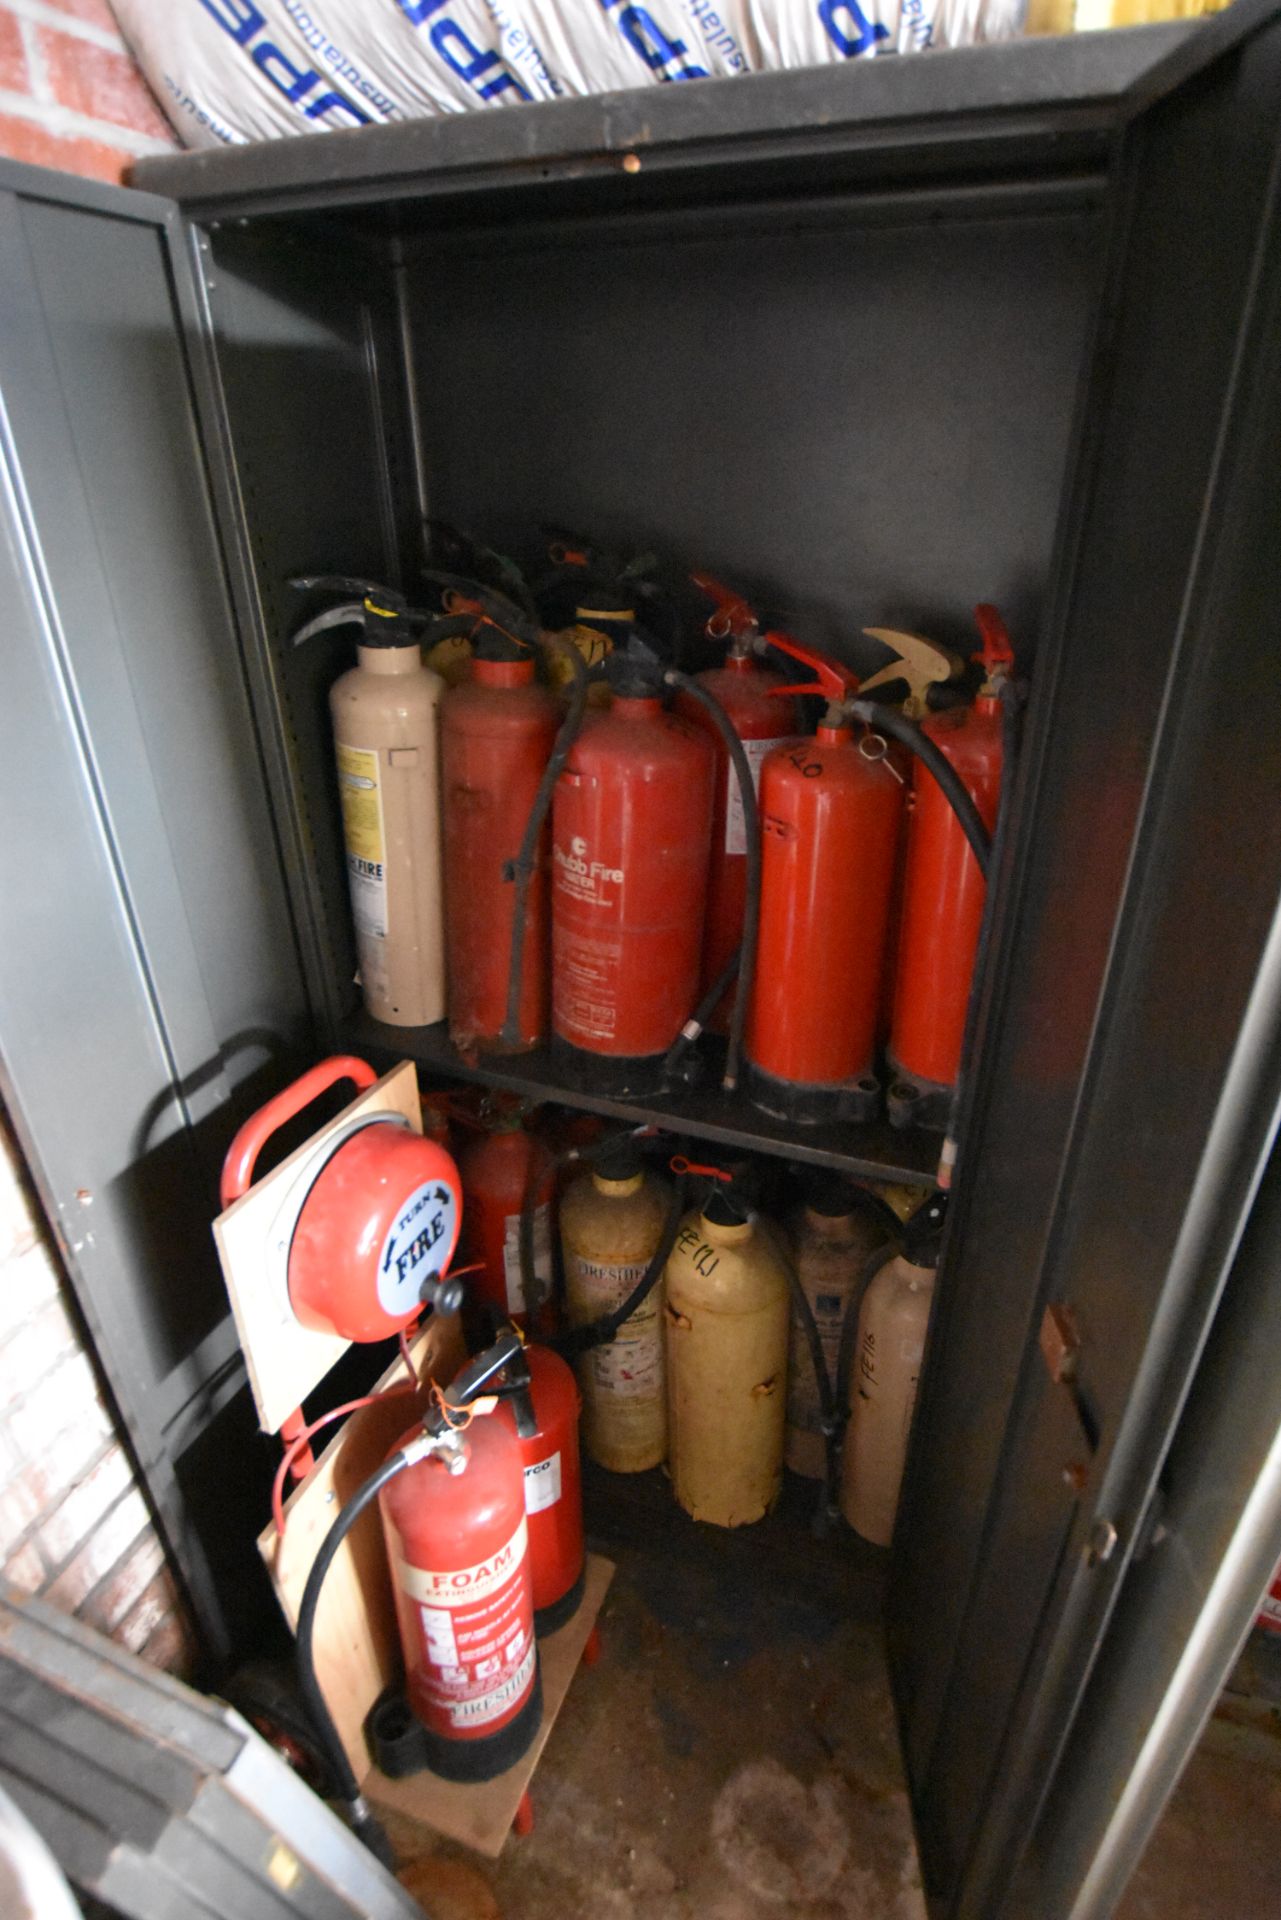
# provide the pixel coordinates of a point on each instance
(911, 1102)
(548, 1619)
(611, 1074)
(401, 1745)
(813, 1103)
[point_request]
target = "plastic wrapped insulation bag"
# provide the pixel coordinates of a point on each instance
(233, 70)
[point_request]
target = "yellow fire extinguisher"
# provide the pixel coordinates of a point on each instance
(727, 1324)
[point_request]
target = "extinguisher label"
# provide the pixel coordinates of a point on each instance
(464, 1586)
(630, 1367)
(542, 1484)
(585, 984)
(362, 823)
(735, 825)
(576, 873)
(418, 1244)
(476, 1635)
(542, 1250)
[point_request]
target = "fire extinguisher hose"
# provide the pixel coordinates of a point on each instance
(889, 720)
(598, 1333)
(362, 1819)
(751, 828)
(702, 1013)
(523, 867)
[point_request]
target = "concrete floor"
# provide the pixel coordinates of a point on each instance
(732, 1756)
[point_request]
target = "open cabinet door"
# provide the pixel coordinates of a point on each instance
(1130, 1081)
(150, 986)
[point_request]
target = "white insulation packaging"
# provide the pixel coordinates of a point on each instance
(233, 70)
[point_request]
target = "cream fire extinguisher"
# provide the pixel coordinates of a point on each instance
(612, 1227)
(836, 1229)
(727, 1315)
(880, 1372)
(386, 727)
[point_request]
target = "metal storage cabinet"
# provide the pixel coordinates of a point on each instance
(881, 341)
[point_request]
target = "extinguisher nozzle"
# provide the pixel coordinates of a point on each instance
(443, 1295)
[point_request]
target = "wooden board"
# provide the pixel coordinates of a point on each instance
(287, 1361)
(355, 1638)
(480, 1815)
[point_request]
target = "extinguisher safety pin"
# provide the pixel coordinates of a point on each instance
(871, 740)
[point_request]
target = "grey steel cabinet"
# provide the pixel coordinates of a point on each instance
(880, 342)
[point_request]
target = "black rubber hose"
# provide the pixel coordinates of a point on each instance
(1010, 719)
(824, 1383)
(598, 1333)
(362, 1819)
(702, 1013)
(751, 828)
(524, 866)
(889, 720)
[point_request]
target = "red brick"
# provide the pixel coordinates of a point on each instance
(32, 1352)
(92, 159)
(148, 1615)
(113, 1539)
(99, 83)
(20, 1214)
(13, 58)
(111, 1600)
(172, 1646)
(96, 12)
(74, 1519)
(68, 1398)
(28, 1281)
(25, 1569)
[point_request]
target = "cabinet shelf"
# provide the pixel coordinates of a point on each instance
(874, 1151)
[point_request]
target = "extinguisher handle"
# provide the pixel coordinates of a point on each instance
(996, 654)
(921, 663)
(734, 616)
(835, 681)
(242, 1154)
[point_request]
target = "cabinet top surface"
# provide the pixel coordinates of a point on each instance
(1042, 87)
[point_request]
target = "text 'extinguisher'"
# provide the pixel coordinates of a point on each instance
(944, 892)
(385, 719)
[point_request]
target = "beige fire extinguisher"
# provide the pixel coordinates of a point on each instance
(727, 1322)
(883, 1373)
(386, 726)
(611, 1226)
(835, 1230)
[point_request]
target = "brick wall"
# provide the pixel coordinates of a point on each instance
(70, 94)
(73, 1523)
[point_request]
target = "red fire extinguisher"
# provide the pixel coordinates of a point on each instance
(496, 736)
(631, 822)
(943, 894)
(830, 811)
(749, 694)
(499, 1172)
(544, 1407)
(370, 1223)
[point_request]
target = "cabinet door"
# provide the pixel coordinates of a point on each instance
(1128, 1090)
(150, 986)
